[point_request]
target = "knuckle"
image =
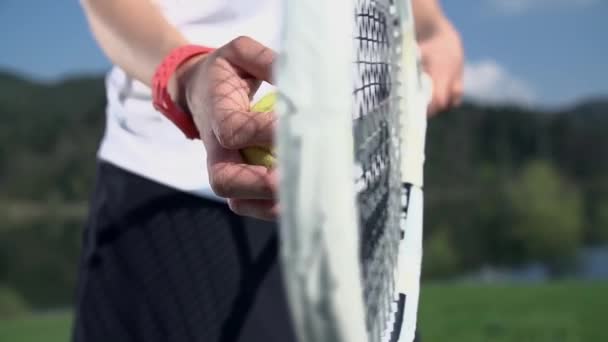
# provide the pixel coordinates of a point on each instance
(458, 93)
(456, 101)
(242, 208)
(240, 42)
(226, 137)
(219, 183)
(268, 187)
(441, 101)
(267, 213)
(235, 206)
(250, 209)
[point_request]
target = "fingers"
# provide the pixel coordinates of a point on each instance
(250, 189)
(443, 60)
(218, 94)
(260, 209)
(242, 181)
(230, 91)
(250, 56)
(236, 129)
(457, 94)
(446, 94)
(440, 99)
(230, 177)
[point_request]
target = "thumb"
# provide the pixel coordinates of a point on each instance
(251, 57)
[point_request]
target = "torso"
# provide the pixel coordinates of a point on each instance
(141, 140)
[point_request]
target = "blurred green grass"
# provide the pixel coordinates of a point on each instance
(55, 327)
(557, 312)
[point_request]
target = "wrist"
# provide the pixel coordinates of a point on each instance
(178, 84)
(167, 86)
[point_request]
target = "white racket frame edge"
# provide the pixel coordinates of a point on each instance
(417, 91)
(317, 194)
(315, 136)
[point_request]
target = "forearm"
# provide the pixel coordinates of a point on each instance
(133, 34)
(429, 17)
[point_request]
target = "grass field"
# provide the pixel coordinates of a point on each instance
(43, 328)
(564, 312)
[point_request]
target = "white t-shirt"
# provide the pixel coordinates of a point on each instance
(141, 140)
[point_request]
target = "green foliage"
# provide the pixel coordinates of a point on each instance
(601, 221)
(533, 214)
(481, 164)
(11, 304)
(547, 216)
(487, 199)
(38, 258)
(598, 221)
(441, 258)
(48, 137)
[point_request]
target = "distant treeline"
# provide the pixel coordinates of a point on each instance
(508, 185)
(504, 185)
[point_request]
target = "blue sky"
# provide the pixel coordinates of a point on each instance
(546, 52)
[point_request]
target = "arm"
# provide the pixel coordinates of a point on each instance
(136, 43)
(215, 88)
(442, 54)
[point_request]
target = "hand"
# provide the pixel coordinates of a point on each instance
(217, 89)
(443, 60)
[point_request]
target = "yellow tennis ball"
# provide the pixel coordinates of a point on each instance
(266, 103)
(261, 155)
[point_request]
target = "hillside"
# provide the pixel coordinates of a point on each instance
(48, 126)
(504, 185)
(48, 137)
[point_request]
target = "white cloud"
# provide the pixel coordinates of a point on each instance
(487, 81)
(518, 6)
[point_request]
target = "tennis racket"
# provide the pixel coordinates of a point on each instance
(352, 120)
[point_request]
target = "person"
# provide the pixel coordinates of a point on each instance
(180, 243)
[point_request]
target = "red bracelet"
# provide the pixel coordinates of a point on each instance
(160, 95)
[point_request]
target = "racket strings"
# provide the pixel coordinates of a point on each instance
(375, 131)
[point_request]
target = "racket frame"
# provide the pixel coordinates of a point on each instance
(317, 194)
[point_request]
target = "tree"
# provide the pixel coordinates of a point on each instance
(547, 214)
(440, 257)
(598, 229)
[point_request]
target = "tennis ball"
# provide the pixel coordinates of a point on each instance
(261, 155)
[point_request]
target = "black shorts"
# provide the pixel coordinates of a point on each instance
(161, 265)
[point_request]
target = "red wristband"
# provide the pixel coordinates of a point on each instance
(160, 95)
